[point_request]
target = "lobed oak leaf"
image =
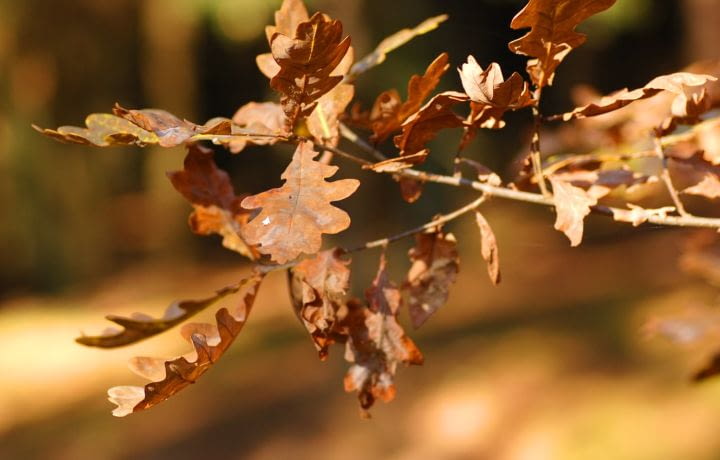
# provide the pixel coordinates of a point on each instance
(393, 42)
(572, 205)
(317, 287)
(552, 33)
(675, 83)
(293, 217)
(102, 130)
(307, 60)
(435, 264)
(389, 112)
(324, 122)
(376, 342)
(287, 18)
(489, 248)
(140, 327)
(171, 376)
(258, 118)
(217, 209)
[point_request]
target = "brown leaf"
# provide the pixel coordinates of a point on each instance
(140, 327)
(398, 163)
(171, 376)
(552, 33)
(287, 19)
(572, 204)
(324, 121)
(102, 130)
(293, 217)
(482, 172)
(674, 83)
(307, 60)
(389, 112)
(637, 215)
(709, 187)
(394, 42)
(489, 248)
(318, 287)
(435, 264)
(489, 87)
(259, 118)
(216, 207)
(376, 342)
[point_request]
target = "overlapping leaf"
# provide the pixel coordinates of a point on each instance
(259, 118)
(293, 217)
(217, 209)
(168, 377)
(376, 342)
(324, 121)
(435, 264)
(318, 287)
(287, 19)
(552, 33)
(307, 60)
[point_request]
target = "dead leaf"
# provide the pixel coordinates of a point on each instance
(171, 376)
(489, 248)
(637, 215)
(435, 264)
(307, 60)
(287, 19)
(260, 118)
(394, 42)
(103, 129)
(217, 209)
(552, 33)
(318, 287)
(709, 187)
(572, 205)
(293, 217)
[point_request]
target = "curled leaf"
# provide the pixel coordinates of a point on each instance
(552, 33)
(435, 264)
(103, 129)
(572, 205)
(258, 118)
(293, 217)
(637, 215)
(171, 376)
(489, 248)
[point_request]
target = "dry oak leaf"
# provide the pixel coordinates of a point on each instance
(572, 205)
(552, 33)
(489, 248)
(287, 19)
(264, 118)
(103, 129)
(217, 209)
(389, 112)
(394, 42)
(292, 218)
(435, 264)
(168, 377)
(709, 187)
(674, 83)
(318, 286)
(376, 342)
(307, 61)
(140, 326)
(637, 215)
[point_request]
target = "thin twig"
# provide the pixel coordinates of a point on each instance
(601, 156)
(535, 144)
(665, 176)
(350, 135)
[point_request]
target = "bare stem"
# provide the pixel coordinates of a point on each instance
(665, 175)
(535, 144)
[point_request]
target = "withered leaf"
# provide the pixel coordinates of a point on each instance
(709, 187)
(637, 215)
(287, 19)
(674, 83)
(552, 33)
(389, 112)
(103, 129)
(398, 163)
(307, 60)
(258, 118)
(217, 209)
(171, 376)
(572, 204)
(376, 342)
(318, 287)
(293, 217)
(394, 42)
(435, 264)
(489, 248)
(140, 327)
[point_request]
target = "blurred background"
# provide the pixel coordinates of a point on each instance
(551, 364)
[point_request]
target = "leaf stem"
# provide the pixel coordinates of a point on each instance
(665, 176)
(535, 144)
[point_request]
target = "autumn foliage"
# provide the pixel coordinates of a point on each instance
(669, 123)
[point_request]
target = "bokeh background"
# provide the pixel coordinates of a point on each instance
(550, 365)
